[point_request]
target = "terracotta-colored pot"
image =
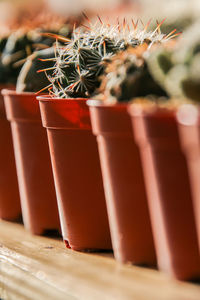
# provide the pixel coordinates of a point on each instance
(37, 191)
(124, 185)
(77, 174)
(188, 118)
(10, 208)
(168, 189)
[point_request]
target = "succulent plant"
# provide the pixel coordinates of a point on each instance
(18, 47)
(79, 65)
(127, 77)
(178, 70)
(26, 37)
(3, 72)
(31, 81)
(3, 41)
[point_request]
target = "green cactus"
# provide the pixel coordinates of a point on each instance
(128, 77)
(160, 63)
(3, 42)
(31, 81)
(20, 45)
(179, 75)
(81, 63)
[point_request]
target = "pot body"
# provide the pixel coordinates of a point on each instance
(37, 191)
(77, 174)
(10, 208)
(188, 118)
(124, 184)
(169, 193)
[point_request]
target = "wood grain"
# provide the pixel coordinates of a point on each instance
(33, 267)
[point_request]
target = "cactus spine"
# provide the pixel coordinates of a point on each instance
(80, 64)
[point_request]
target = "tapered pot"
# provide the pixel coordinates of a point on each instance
(77, 174)
(188, 117)
(10, 208)
(37, 191)
(124, 184)
(168, 189)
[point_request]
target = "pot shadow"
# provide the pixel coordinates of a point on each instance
(52, 233)
(18, 220)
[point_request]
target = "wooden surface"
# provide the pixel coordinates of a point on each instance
(41, 268)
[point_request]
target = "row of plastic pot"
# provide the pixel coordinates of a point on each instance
(147, 161)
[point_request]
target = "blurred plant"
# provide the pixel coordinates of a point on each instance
(29, 38)
(178, 70)
(81, 62)
(29, 80)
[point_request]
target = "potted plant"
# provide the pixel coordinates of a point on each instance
(166, 172)
(10, 209)
(77, 74)
(39, 206)
(168, 190)
(188, 125)
(188, 115)
(9, 200)
(126, 77)
(73, 147)
(120, 160)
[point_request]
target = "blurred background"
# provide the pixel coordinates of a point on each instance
(178, 13)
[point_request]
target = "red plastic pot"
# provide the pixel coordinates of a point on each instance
(37, 191)
(188, 118)
(124, 184)
(77, 174)
(168, 189)
(10, 208)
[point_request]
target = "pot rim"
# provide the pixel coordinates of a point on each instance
(138, 110)
(11, 92)
(100, 103)
(188, 115)
(47, 98)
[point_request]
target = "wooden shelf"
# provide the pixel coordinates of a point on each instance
(40, 268)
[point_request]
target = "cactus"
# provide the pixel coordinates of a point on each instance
(177, 70)
(28, 34)
(29, 80)
(80, 64)
(3, 72)
(128, 77)
(18, 47)
(3, 42)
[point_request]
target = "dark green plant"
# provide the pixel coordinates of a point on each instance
(20, 45)
(80, 64)
(3, 42)
(127, 77)
(31, 81)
